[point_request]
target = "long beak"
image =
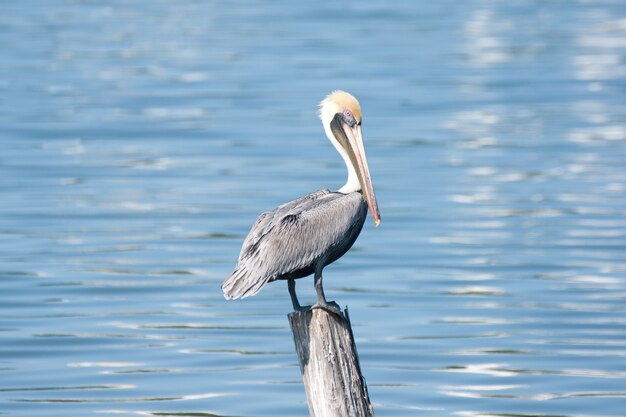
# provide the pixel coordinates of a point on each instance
(357, 155)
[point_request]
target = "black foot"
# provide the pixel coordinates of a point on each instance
(302, 308)
(331, 307)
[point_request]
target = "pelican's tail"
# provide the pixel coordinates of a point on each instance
(241, 284)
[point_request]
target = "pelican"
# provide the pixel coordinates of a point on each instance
(301, 237)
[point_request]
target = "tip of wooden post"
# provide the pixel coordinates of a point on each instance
(339, 313)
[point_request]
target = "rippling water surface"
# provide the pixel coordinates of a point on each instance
(140, 140)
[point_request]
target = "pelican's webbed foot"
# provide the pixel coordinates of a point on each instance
(331, 307)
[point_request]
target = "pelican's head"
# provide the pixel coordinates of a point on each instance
(341, 116)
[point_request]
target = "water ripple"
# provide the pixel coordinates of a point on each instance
(141, 140)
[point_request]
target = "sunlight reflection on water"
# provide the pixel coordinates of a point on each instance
(140, 142)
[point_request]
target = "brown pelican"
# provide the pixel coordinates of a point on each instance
(301, 237)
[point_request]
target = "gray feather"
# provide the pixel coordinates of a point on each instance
(294, 238)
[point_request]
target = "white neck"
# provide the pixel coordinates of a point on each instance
(352, 184)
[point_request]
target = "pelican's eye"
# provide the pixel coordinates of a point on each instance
(348, 117)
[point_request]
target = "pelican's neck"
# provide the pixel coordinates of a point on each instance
(352, 184)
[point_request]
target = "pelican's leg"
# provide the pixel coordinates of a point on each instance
(321, 298)
(291, 284)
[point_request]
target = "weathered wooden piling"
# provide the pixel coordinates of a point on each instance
(330, 364)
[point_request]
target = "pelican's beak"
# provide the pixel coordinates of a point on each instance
(356, 152)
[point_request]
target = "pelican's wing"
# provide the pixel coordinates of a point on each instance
(289, 238)
(267, 220)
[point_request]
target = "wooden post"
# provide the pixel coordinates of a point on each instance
(329, 364)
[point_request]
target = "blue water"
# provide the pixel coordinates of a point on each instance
(140, 140)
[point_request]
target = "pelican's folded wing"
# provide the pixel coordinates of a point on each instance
(291, 238)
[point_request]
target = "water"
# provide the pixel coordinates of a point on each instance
(140, 140)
